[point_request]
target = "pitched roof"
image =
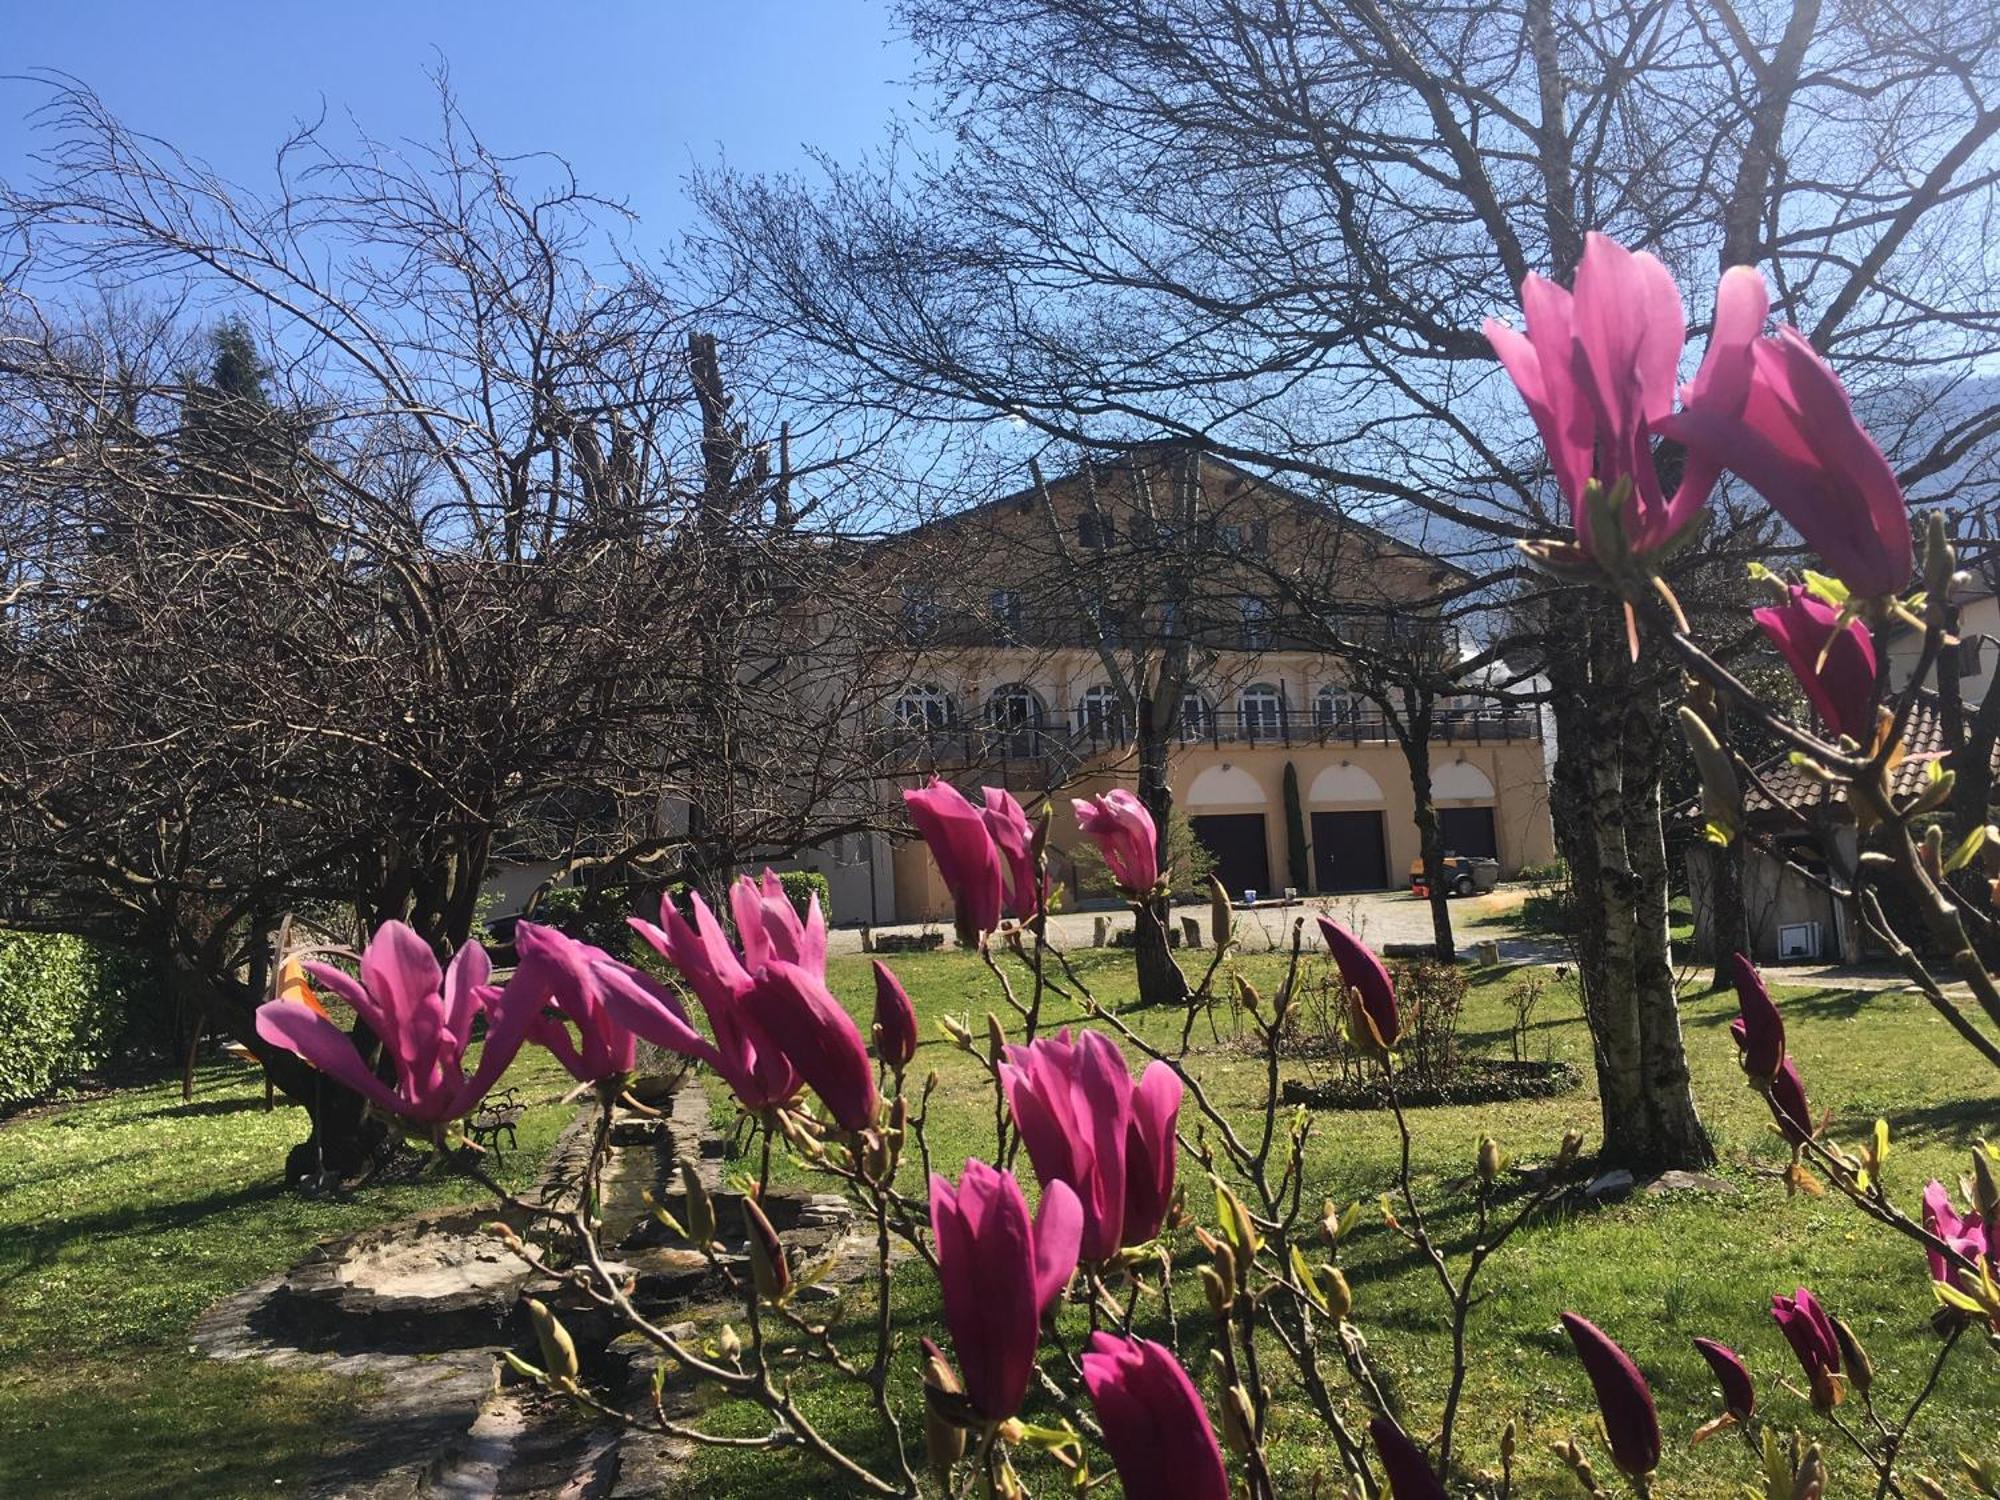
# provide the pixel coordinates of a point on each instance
(1800, 791)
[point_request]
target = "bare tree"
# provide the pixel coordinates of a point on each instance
(482, 566)
(1275, 228)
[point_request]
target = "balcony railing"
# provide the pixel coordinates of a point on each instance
(1085, 734)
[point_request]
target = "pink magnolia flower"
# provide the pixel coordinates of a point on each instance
(1835, 664)
(423, 1017)
(1624, 1399)
(962, 845)
(1014, 836)
(1966, 1235)
(1155, 1426)
(1739, 1394)
(769, 926)
(1125, 835)
(1796, 441)
(1364, 974)
(1151, 1153)
(792, 1006)
(1410, 1474)
(1759, 1030)
(1000, 1275)
(750, 1062)
(1072, 1103)
(1598, 367)
(895, 1020)
(562, 972)
(1787, 1098)
(1809, 1331)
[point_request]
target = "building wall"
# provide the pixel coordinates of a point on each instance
(1242, 779)
(1978, 658)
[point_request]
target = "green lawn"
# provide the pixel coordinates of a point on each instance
(121, 1219)
(1654, 1273)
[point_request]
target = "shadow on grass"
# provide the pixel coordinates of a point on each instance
(33, 1247)
(1961, 1122)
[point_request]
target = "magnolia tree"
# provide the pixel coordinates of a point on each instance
(1112, 1155)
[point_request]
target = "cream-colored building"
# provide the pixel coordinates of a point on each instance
(1027, 655)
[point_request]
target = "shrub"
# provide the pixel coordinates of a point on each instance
(802, 885)
(63, 1005)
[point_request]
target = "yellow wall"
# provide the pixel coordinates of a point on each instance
(1520, 803)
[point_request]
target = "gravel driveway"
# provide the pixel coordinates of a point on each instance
(1380, 917)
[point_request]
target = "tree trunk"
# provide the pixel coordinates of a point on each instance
(1728, 912)
(1674, 1136)
(1607, 817)
(1161, 981)
(1430, 842)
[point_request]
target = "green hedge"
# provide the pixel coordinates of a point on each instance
(62, 1010)
(802, 885)
(598, 916)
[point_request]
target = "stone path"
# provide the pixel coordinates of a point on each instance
(422, 1309)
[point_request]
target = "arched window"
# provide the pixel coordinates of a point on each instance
(1334, 711)
(1100, 716)
(925, 709)
(1197, 718)
(1263, 711)
(1014, 715)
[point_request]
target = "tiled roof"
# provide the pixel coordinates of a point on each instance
(1923, 742)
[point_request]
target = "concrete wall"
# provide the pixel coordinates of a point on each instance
(1774, 897)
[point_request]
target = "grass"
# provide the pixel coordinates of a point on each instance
(1655, 1272)
(121, 1219)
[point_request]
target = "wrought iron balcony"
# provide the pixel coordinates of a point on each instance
(1085, 734)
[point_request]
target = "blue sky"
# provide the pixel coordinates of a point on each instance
(631, 93)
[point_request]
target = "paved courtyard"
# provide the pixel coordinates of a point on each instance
(1380, 917)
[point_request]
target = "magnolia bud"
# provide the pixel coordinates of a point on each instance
(1507, 1440)
(1329, 1222)
(1489, 1159)
(1238, 1423)
(728, 1342)
(558, 1349)
(1721, 793)
(1928, 1488)
(956, 1031)
(1339, 1296)
(768, 1269)
(700, 1207)
(1247, 992)
(1985, 1189)
(1216, 1289)
(1221, 914)
(1854, 1361)
(996, 1039)
(944, 1437)
(1569, 1150)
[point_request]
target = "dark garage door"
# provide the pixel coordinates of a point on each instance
(1237, 842)
(1468, 830)
(1348, 853)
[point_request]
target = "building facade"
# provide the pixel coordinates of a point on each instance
(1067, 609)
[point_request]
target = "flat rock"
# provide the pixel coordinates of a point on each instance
(1615, 1184)
(1687, 1182)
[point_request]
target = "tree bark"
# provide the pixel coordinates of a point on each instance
(1607, 820)
(1161, 981)
(1431, 843)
